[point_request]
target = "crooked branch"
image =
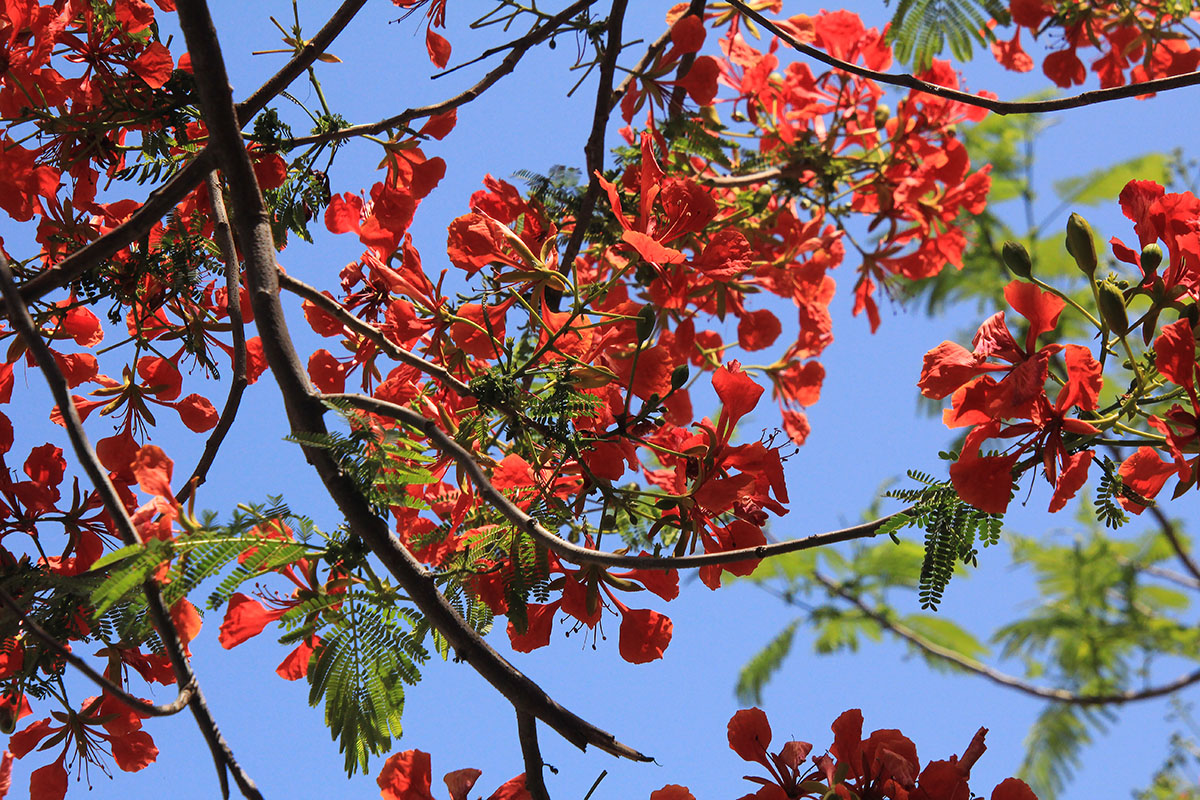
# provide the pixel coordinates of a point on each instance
(535, 780)
(306, 413)
(136, 703)
(160, 616)
(994, 675)
(583, 555)
(1002, 107)
(517, 49)
(372, 333)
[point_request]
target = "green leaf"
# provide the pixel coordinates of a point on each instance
(947, 634)
(1105, 184)
(116, 555)
(921, 29)
(759, 669)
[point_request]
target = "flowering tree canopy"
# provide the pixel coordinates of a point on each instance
(542, 427)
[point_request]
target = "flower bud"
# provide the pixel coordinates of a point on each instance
(1152, 256)
(679, 376)
(1017, 259)
(645, 323)
(1081, 244)
(1112, 308)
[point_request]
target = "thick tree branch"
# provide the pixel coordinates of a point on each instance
(1002, 107)
(136, 703)
(238, 381)
(305, 411)
(994, 675)
(581, 555)
(160, 616)
(519, 48)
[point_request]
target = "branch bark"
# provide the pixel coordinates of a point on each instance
(238, 381)
(1002, 107)
(160, 615)
(136, 703)
(582, 555)
(306, 413)
(994, 675)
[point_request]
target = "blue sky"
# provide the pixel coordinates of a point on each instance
(866, 429)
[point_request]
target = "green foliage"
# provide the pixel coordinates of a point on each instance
(687, 137)
(1054, 745)
(921, 29)
(381, 462)
(765, 663)
(951, 527)
(367, 653)
(1103, 185)
(1108, 510)
(368, 640)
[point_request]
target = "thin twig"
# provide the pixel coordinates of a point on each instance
(519, 48)
(593, 151)
(371, 333)
(994, 675)
(1168, 529)
(164, 198)
(582, 555)
(306, 412)
(377, 337)
(1001, 107)
(136, 703)
(652, 52)
(238, 381)
(535, 781)
(160, 616)
(301, 61)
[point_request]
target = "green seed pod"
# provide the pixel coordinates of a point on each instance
(1112, 308)
(1152, 256)
(1081, 244)
(1017, 259)
(882, 115)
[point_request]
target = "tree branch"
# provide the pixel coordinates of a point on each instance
(305, 411)
(160, 616)
(582, 555)
(994, 675)
(535, 781)
(519, 47)
(136, 703)
(593, 151)
(167, 196)
(372, 333)
(238, 381)
(1002, 107)
(301, 61)
(1168, 528)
